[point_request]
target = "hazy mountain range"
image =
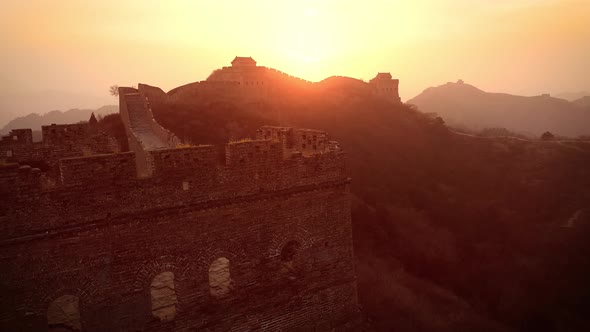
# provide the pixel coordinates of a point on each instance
(461, 104)
(583, 102)
(35, 121)
(571, 96)
(20, 103)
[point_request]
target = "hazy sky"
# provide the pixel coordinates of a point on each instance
(81, 47)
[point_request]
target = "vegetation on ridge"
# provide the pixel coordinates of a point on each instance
(452, 232)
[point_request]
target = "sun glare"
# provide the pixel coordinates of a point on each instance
(311, 12)
(306, 41)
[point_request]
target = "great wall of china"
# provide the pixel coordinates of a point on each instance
(251, 235)
(247, 81)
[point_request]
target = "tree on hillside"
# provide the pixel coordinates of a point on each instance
(547, 136)
(114, 90)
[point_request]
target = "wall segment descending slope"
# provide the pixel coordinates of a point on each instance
(143, 132)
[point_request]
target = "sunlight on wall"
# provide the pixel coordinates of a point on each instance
(64, 313)
(163, 295)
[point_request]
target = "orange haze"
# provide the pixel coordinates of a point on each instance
(83, 47)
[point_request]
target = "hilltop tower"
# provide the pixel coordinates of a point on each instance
(384, 85)
(240, 61)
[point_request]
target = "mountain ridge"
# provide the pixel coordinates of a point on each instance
(462, 104)
(35, 121)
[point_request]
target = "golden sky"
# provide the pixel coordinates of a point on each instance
(515, 46)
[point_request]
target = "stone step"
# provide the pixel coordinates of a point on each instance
(140, 123)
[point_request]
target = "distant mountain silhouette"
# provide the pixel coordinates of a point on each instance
(583, 102)
(571, 96)
(465, 105)
(35, 121)
(21, 103)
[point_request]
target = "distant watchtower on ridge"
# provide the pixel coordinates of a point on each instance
(384, 85)
(241, 61)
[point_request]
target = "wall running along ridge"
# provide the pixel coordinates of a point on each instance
(252, 235)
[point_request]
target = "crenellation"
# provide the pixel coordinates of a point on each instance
(64, 133)
(98, 169)
(252, 152)
(235, 169)
(202, 159)
(59, 141)
(18, 136)
(306, 142)
(309, 141)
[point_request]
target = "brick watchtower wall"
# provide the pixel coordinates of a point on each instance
(384, 85)
(240, 237)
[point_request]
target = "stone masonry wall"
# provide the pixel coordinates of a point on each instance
(22, 136)
(194, 182)
(306, 142)
(109, 266)
(99, 169)
(59, 141)
(103, 243)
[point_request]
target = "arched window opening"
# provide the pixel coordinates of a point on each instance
(163, 296)
(288, 261)
(63, 314)
(219, 278)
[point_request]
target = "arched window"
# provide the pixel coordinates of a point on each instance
(219, 277)
(288, 254)
(163, 296)
(63, 314)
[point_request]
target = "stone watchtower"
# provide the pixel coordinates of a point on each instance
(241, 61)
(252, 81)
(384, 85)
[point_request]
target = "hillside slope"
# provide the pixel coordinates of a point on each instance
(583, 102)
(462, 104)
(451, 232)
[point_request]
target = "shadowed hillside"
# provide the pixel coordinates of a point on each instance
(572, 96)
(583, 102)
(462, 104)
(452, 232)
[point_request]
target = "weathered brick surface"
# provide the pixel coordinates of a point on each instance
(102, 235)
(101, 169)
(59, 141)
